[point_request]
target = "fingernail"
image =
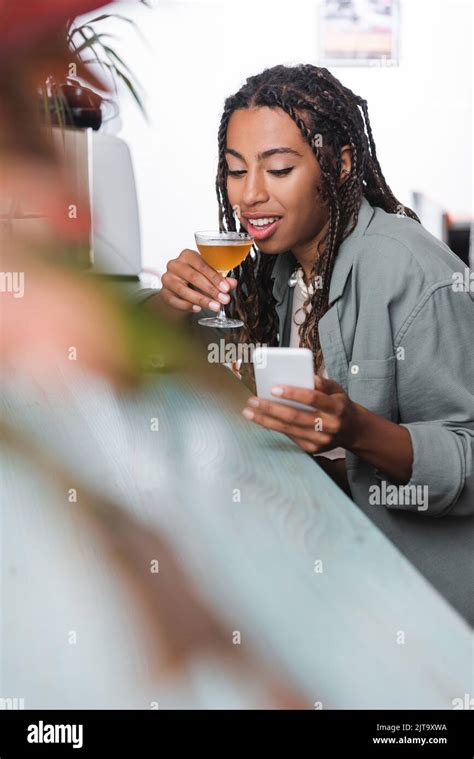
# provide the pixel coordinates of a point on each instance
(214, 306)
(223, 298)
(248, 414)
(196, 308)
(253, 402)
(224, 287)
(277, 391)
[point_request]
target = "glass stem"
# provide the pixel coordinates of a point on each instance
(222, 314)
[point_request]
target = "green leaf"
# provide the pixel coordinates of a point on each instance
(91, 41)
(112, 71)
(113, 55)
(81, 30)
(60, 113)
(93, 51)
(133, 91)
(112, 15)
(47, 114)
(129, 77)
(116, 65)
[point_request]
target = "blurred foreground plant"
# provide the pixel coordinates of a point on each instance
(60, 308)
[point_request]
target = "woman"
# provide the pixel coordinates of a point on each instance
(374, 296)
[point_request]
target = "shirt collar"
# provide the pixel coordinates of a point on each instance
(283, 268)
(286, 263)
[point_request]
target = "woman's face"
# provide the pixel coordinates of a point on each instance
(274, 178)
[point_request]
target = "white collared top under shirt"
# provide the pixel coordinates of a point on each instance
(297, 318)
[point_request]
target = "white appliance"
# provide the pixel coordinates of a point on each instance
(115, 239)
(100, 170)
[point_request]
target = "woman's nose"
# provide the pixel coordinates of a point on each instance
(254, 189)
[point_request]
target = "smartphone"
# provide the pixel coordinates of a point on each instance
(283, 366)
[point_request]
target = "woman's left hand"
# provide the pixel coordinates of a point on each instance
(334, 421)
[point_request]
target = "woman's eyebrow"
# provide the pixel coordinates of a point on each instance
(266, 153)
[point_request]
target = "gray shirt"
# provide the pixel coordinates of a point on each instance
(398, 337)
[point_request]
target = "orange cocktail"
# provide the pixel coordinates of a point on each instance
(223, 251)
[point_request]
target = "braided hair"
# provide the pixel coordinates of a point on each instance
(321, 107)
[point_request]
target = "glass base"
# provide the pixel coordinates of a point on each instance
(226, 323)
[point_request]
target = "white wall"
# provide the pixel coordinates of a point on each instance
(197, 53)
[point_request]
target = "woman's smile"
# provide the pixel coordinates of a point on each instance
(261, 227)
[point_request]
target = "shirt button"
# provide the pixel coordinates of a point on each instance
(354, 369)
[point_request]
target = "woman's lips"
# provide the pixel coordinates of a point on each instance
(262, 233)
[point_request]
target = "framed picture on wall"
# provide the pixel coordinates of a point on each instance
(358, 32)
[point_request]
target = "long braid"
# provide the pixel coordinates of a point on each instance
(226, 219)
(252, 290)
(320, 106)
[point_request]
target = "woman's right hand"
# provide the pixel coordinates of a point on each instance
(189, 284)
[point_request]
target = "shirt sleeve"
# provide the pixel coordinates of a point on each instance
(435, 385)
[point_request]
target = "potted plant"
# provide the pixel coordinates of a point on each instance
(68, 101)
